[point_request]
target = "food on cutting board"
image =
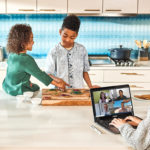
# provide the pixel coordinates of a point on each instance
(145, 97)
(71, 97)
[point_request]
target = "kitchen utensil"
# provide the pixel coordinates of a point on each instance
(138, 43)
(71, 97)
(120, 53)
(145, 44)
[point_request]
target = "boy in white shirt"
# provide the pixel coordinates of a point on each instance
(69, 60)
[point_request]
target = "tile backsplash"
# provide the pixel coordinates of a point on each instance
(97, 34)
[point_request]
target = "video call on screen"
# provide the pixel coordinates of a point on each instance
(112, 101)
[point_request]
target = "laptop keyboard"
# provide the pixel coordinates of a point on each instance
(105, 124)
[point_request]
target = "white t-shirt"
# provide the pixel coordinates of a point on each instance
(68, 64)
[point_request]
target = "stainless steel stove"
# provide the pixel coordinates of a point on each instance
(107, 61)
(125, 63)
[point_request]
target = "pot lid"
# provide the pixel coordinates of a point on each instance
(121, 48)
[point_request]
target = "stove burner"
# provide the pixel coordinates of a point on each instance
(122, 62)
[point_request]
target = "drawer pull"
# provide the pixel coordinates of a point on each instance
(47, 10)
(26, 10)
(115, 10)
(92, 74)
(132, 74)
(91, 9)
(134, 86)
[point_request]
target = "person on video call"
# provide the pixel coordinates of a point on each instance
(121, 96)
(103, 104)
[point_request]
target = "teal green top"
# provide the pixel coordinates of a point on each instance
(19, 70)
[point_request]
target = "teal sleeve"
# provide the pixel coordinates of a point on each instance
(32, 68)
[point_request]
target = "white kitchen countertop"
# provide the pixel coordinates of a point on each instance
(24, 126)
(140, 65)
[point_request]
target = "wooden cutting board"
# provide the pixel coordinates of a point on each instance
(71, 97)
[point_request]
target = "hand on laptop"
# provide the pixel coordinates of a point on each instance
(132, 120)
(117, 122)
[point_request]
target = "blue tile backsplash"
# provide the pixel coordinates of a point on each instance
(97, 34)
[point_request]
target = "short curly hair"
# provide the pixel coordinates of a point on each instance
(71, 22)
(18, 37)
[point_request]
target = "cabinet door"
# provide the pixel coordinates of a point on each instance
(85, 6)
(21, 6)
(2, 6)
(120, 6)
(52, 6)
(128, 76)
(144, 7)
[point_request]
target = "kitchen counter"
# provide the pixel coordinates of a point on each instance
(24, 126)
(140, 65)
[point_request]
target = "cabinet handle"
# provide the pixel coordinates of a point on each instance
(92, 74)
(26, 9)
(113, 10)
(91, 9)
(132, 74)
(47, 10)
(134, 86)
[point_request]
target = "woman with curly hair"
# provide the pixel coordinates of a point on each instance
(21, 65)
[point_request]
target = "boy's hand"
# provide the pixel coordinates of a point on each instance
(94, 86)
(117, 122)
(132, 120)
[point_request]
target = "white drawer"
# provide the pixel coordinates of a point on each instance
(96, 76)
(127, 76)
(133, 86)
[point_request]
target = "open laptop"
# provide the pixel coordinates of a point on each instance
(109, 103)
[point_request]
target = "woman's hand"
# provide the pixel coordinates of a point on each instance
(132, 120)
(117, 122)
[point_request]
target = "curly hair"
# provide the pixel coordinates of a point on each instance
(18, 37)
(71, 22)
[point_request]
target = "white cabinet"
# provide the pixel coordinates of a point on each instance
(96, 75)
(144, 7)
(2, 6)
(21, 6)
(120, 6)
(85, 6)
(52, 6)
(128, 76)
(138, 79)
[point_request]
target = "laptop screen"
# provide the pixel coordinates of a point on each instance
(108, 101)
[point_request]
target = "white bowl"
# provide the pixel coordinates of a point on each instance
(20, 98)
(36, 101)
(28, 94)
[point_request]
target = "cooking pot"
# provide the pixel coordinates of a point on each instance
(120, 53)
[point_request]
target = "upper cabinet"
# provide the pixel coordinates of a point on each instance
(52, 6)
(2, 6)
(144, 7)
(80, 7)
(85, 6)
(21, 6)
(120, 6)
